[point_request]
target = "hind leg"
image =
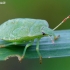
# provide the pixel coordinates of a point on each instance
(8, 44)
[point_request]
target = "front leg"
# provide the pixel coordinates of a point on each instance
(56, 37)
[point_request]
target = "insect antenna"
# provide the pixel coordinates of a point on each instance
(62, 22)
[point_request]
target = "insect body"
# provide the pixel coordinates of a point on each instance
(21, 30)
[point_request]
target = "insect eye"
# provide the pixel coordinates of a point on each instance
(43, 33)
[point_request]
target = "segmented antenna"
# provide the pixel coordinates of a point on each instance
(62, 22)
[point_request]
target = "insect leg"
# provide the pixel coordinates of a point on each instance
(5, 45)
(28, 45)
(37, 49)
(51, 39)
(56, 37)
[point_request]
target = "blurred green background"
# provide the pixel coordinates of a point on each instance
(54, 11)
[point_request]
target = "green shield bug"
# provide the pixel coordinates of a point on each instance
(25, 30)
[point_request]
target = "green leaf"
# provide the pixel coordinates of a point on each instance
(61, 48)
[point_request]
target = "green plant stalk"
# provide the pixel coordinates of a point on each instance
(61, 47)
